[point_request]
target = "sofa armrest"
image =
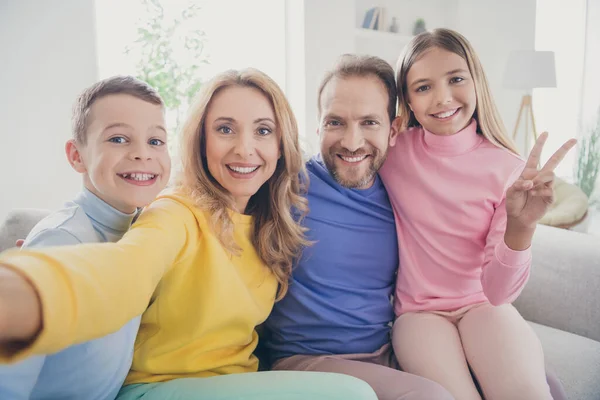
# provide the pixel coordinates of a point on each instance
(563, 291)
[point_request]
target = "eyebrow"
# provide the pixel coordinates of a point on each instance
(256, 121)
(368, 116)
(123, 125)
(454, 71)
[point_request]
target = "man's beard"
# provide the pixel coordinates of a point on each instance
(352, 179)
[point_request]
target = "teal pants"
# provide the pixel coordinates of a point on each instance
(268, 385)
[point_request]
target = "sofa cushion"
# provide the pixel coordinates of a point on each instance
(575, 359)
(18, 224)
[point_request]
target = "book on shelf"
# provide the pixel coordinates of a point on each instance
(374, 19)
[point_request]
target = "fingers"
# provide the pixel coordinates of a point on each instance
(534, 157)
(558, 156)
(544, 177)
(522, 185)
(542, 192)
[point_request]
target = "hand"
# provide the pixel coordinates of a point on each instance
(20, 308)
(528, 199)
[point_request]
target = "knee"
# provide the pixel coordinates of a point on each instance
(525, 391)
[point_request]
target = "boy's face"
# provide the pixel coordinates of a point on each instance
(125, 160)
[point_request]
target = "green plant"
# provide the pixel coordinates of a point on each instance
(588, 160)
(169, 54)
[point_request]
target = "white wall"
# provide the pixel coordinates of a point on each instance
(48, 57)
(558, 110)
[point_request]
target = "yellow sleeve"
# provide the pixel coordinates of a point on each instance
(90, 290)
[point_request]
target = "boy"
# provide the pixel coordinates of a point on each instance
(119, 147)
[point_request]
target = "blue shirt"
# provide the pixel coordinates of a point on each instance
(339, 296)
(93, 370)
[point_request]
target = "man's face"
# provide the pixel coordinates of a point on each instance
(355, 129)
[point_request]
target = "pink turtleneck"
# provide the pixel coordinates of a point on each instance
(448, 195)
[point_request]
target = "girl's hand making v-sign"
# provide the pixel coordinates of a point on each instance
(528, 199)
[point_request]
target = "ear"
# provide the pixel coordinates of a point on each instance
(74, 156)
(394, 131)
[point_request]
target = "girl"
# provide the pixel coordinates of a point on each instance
(466, 208)
(202, 264)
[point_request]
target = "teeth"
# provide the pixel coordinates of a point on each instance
(353, 159)
(242, 170)
(445, 114)
(138, 176)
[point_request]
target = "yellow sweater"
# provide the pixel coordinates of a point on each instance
(200, 304)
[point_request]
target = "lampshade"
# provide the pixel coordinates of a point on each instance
(530, 69)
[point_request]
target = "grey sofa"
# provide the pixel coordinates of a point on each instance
(561, 300)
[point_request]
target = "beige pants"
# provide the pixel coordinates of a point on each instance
(378, 369)
(498, 345)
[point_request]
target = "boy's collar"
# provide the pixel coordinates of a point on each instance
(103, 213)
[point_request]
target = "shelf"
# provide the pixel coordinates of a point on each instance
(381, 35)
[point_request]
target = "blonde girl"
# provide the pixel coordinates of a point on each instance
(466, 207)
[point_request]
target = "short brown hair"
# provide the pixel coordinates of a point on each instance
(349, 65)
(113, 85)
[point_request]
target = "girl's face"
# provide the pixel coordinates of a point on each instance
(242, 141)
(441, 91)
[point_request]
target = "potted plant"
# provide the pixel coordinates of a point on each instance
(588, 161)
(419, 26)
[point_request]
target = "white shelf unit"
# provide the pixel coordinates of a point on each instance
(381, 35)
(387, 45)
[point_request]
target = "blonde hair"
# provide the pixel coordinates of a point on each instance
(489, 123)
(277, 237)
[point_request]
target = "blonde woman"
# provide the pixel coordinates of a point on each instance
(203, 265)
(466, 207)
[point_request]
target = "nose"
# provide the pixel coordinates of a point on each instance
(140, 151)
(443, 95)
(353, 139)
(244, 144)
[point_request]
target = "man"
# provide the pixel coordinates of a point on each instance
(337, 314)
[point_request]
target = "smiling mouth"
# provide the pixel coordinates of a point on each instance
(242, 170)
(354, 159)
(445, 114)
(139, 177)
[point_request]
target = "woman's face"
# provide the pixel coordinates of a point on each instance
(242, 141)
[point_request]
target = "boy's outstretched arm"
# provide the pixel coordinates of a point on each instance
(20, 308)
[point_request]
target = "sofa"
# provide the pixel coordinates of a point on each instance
(561, 300)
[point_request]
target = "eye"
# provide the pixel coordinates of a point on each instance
(456, 79)
(118, 139)
(264, 131)
(371, 122)
(422, 88)
(333, 122)
(225, 130)
(156, 142)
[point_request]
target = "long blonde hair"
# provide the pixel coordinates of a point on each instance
(489, 122)
(277, 236)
